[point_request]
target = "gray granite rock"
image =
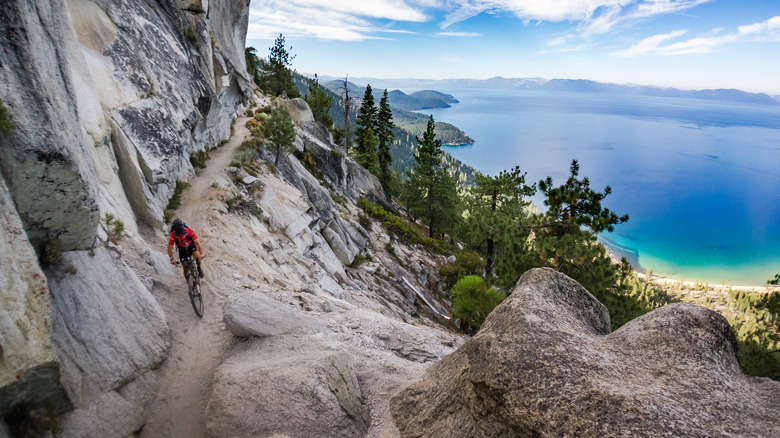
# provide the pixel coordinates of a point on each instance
(253, 314)
(545, 364)
(313, 394)
(107, 327)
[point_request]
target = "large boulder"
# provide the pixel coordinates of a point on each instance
(301, 394)
(253, 314)
(545, 364)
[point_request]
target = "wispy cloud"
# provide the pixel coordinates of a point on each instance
(591, 17)
(768, 30)
(459, 34)
(353, 20)
(344, 20)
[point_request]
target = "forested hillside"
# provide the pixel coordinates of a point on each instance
(409, 125)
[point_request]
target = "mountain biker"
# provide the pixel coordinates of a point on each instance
(188, 244)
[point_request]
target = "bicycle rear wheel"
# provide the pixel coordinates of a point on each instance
(196, 298)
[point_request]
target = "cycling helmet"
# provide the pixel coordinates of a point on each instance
(178, 227)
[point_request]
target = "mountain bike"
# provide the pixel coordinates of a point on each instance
(193, 283)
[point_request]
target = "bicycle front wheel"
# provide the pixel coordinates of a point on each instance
(196, 298)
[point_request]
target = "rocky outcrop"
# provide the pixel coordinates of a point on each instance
(109, 99)
(545, 364)
(253, 314)
(104, 339)
(29, 371)
(301, 394)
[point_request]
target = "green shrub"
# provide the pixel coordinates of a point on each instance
(466, 263)
(199, 158)
(49, 250)
(472, 301)
(7, 125)
(390, 248)
(239, 203)
(114, 228)
(175, 201)
(338, 199)
(359, 260)
(307, 160)
(250, 113)
(403, 229)
(191, 35)
(244, 157)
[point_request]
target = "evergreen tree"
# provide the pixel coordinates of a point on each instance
(253, 63)
(430, 192)
(563, 244)
(385, 136)
(277, 77)
(575, 204)
(496, 213)
(365, 149)
(319, 101)
(279, 131)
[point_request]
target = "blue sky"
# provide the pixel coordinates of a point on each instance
(688, 44)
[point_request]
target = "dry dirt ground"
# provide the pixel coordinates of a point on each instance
(198, 344)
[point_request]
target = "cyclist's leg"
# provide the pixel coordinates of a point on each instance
(182, 257)
(196, 255)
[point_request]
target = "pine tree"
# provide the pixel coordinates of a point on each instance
(496, 213)
(384, 132)
(277, 78)
(279, 131)
(365, 149)
(253, 63)
(563, 244)
(430, 192)
(320, 103)
(575, 204)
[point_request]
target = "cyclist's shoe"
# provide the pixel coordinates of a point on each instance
(200, 272)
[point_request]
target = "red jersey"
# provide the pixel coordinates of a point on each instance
(183, 241)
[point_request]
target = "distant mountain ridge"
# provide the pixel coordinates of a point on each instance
(419, 100)
(577, 85)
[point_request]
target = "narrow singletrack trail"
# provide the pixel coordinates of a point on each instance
(197, 344)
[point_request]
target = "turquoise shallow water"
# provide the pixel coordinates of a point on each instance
(699, 179)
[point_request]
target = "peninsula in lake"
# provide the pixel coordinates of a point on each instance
(404, 107)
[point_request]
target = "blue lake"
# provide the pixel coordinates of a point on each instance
(699, 179)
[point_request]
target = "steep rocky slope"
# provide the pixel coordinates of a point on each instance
(109, 100)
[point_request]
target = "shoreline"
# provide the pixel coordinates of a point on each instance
(699, 285)
(616, 252)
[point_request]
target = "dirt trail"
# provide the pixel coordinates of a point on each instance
(197, 345)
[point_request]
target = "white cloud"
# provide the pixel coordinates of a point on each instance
(768, 30)
(345, 20)
(459, 34)
(594, 17)
(649, 8)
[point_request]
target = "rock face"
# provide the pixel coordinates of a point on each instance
(303, 394)
(109, 99)
(545, 364)
(105, 339)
